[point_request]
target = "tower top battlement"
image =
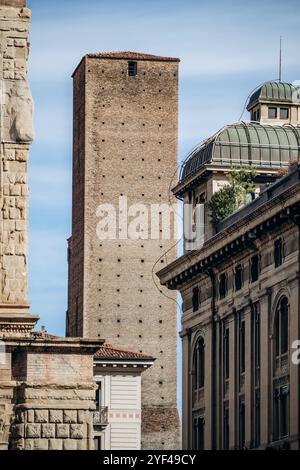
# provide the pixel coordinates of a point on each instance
(13, 3)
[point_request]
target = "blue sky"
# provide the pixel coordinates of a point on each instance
(226, 49)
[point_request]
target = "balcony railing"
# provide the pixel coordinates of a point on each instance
(281, 364)
(100, 417)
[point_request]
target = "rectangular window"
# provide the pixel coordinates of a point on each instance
(98, 442)
(242, 424)
(222, 286)
(277, 335)
(226, 355)
(242, 347)
(258, 114)
(256, 344)
(99, 396)
(195, 299)
(238, 277)
(132, 69)
(272, 112)
(257, 420)
(254, 268)
(198, 437)
(284, 412)
(284, 334)
(284, 113)
(226, 427)
(278, 253)
(281, 413)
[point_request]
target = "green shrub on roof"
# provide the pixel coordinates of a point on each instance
(233, 196)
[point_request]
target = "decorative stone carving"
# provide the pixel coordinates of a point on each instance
(5, 420)
(43, 397)
(18, 110)
(16, 133)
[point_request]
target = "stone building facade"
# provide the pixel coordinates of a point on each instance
(125, 145)
(241, 288)
(47, 390)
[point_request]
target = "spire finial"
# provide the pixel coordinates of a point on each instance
(280, 59)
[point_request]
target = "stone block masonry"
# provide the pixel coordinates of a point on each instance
(16, 134)
(47, 394)
(47, 390)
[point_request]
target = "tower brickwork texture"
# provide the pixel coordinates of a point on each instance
(125, 145)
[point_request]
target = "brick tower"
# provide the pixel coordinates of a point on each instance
(125, 144)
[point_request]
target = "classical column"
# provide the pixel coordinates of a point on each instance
(265, 302)
(294, 368)
(248, 377)
(16, 134)
(186, 390)
(208, 388)
(232, 324)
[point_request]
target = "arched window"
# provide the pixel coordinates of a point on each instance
(282, 328)
(199, 365)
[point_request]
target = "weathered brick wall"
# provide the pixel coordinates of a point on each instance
(57, 368)
(13, 3)
(131, 129)
(76, 242)
(47, 395)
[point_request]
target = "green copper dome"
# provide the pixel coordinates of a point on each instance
(243, 144)
(273, 91)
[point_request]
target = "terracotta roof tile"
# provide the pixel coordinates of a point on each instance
(44, 334)
(107, 351)
(132, 55)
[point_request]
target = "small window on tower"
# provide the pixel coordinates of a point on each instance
(284, 113)
(132, 69)
(272, 112)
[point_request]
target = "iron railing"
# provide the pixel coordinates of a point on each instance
(100, 417)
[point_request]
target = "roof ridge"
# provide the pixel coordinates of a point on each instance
(110, 346)
(119, 354)
(131, 54)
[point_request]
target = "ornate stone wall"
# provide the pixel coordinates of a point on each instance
(46, 383)
(43, 421)
(16, 132)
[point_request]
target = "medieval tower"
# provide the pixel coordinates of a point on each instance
(125, 145)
